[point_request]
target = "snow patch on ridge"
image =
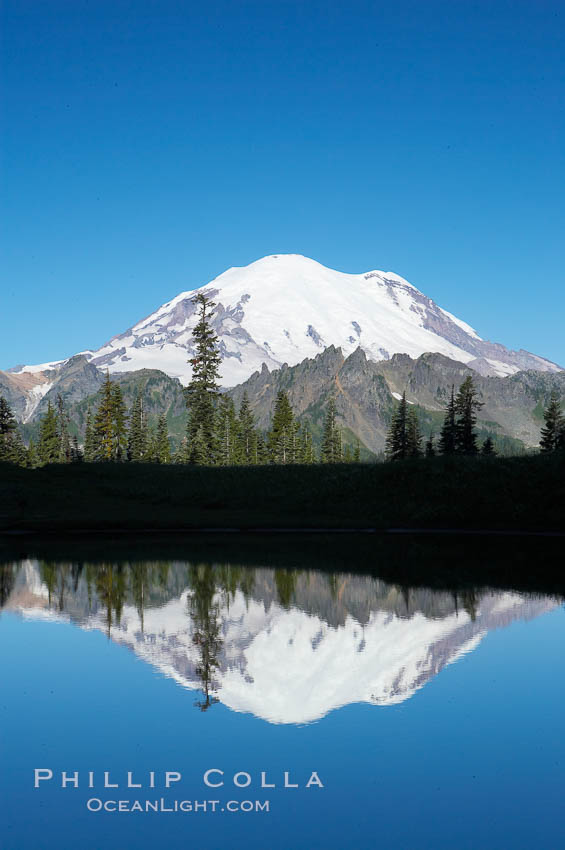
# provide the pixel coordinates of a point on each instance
(35, 394)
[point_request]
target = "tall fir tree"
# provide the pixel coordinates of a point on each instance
(32, 459)
(181, 454)
(430, 449)
(151, 447)
(137, 434)
(553, 430)
(466, 407)
(307, 455)
(448, 433)
(19, 451)
(396, 446)
(90, 448)
(227, 432)
(357, 451)
(120, 433)
(162, 444)
(199, 450)
(261, 450)
(76, 453)
(295, 442)
(338, 445)
(202, 391)
(12, 450)
(282, 434)
(247, 433)
(331, 439)
(109, 428)
(487, 448)
(63, 431)
(104, 422)
(413, 434)
(49, 447)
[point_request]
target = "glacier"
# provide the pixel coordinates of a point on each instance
(284, 308)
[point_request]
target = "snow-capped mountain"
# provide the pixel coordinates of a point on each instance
(284, 308)
(358, 640)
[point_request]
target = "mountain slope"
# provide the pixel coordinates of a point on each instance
(365, 391)
(284, 308)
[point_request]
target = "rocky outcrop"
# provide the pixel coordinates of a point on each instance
(365, 391)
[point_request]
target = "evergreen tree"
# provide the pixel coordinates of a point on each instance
(430, 447)
(206, 631)
(137, 435)
(32, 459)
(357, 452)
(295, 443)
(227, 432)
(8, 422)
(487, 448)
(199, 449)
(120, 436)
(554, 428)
(306, 452)
(151, 451)
(181, 454)
(49, 448)
(12, 449)
(396, 446)
(104, 423)
(162, 444)
(448, 433)
(18, 452)
(261, 450)
(202, 391)
(90, 448)
(331, 439)
(413, 434)
(280, 439)
(466, 407)
(338, 445)
(63, 432)
(76, 454)
(109, 434)
(247, 433)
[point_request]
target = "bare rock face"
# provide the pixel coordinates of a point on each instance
(365, 393)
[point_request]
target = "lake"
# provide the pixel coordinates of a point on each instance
(183, 703)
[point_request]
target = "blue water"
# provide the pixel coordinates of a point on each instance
(474, 758)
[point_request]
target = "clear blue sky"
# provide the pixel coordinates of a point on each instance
(147, 146)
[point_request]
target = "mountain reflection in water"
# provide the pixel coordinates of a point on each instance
(288, 646)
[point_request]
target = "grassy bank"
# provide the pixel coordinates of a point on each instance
(524, 493)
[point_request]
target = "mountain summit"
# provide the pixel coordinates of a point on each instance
(286, 307)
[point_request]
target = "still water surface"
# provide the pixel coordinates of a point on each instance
(432, 719)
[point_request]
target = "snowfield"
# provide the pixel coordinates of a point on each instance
(284, 308)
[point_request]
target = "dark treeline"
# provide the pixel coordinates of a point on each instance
(219, 435)
(458, 435)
